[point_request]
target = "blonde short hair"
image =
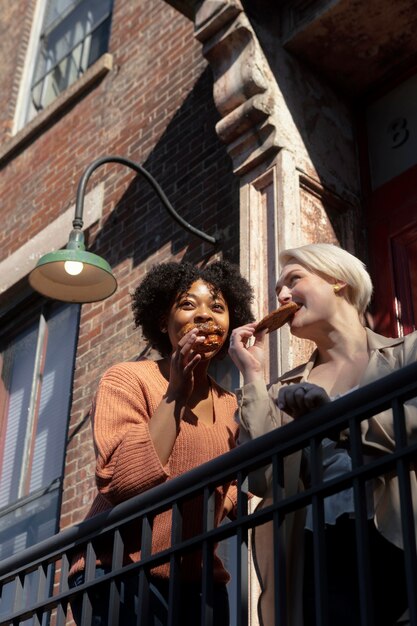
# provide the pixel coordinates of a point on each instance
(335, 263)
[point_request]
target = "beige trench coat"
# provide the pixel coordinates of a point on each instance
(258, 414)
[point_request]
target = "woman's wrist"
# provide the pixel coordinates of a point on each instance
(251, 376)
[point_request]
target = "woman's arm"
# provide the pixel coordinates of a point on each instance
(258, 414)
(257, 411)
(127, 462)
(165, 423)
(133, 435)
(248, 358)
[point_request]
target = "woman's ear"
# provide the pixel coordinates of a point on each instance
(337, 287)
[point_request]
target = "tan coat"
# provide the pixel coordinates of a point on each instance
(259, 414)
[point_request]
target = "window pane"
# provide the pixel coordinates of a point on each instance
(19, 361)
(37, 378)
(99, 42)
(70, 32)
(55, 398)
(29, 597)
(225, 373)
(28, 524)
(22, 528)
(74, 35)
(56, 11)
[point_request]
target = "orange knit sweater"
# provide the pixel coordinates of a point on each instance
(127, 463)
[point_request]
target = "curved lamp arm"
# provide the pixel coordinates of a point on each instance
(79, 206)
(76, 275)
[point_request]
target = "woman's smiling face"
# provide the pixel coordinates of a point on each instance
(198, 304)
(313, 293)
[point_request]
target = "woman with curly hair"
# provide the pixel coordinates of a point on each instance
(155, 420)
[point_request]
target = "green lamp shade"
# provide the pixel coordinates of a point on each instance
(94, 282)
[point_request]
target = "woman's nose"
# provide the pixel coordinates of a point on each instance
(284, 295)
(203, 314)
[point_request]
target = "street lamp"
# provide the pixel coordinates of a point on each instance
(75, 275)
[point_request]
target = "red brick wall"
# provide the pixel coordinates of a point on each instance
(155, 107)
(15, 24)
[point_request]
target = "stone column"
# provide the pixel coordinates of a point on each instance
(244, 93)
(291, 141)
(250, 104)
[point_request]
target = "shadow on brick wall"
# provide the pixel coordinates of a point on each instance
(195, 172)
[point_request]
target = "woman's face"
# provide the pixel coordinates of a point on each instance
(197, 305)
(314, 294)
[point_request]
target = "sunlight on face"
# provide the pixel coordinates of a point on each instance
(199, 304)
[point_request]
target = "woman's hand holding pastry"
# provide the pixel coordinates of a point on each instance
(301, 398)
(183, 361)
(247, 356)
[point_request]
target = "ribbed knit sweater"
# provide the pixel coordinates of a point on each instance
(127, 463)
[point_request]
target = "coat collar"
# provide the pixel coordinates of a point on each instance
(376, 342)
(378, 363)
(383, 357)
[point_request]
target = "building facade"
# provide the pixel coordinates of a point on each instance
(143, 48)
(268, 125)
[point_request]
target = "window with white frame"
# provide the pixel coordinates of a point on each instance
(37, 365)
(73, 35)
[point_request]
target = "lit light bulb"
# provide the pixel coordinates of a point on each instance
(73, 267)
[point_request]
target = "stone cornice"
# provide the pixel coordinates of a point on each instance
(243, 82)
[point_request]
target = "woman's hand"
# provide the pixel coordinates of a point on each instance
(249, 359)
(301, 398)
(183, 362)
(165, 423)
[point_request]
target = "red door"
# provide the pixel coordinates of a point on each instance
(391, 171)
(392, 229)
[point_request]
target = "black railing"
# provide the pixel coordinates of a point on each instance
(38, 576)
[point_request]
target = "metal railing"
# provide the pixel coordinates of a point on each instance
(46, 600)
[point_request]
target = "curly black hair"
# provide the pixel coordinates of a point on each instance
(153, 298)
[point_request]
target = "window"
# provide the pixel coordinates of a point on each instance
(74, 34)
(37, 366)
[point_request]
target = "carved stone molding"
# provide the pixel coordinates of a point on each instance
(243, 83)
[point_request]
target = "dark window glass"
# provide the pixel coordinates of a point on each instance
(74, 35)
(37, 365)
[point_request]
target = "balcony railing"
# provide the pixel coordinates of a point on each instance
(37, 577)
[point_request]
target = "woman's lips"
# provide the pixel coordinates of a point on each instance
(212, 333)
(204, 328)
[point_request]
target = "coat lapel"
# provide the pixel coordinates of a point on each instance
(383, 358)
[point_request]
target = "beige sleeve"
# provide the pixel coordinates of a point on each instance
(258, 414)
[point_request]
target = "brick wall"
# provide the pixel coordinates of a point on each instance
(155, 107)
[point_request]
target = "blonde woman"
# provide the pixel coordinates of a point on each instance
(333, 290)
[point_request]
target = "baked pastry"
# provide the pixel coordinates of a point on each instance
(212, 332)
(277, 318)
